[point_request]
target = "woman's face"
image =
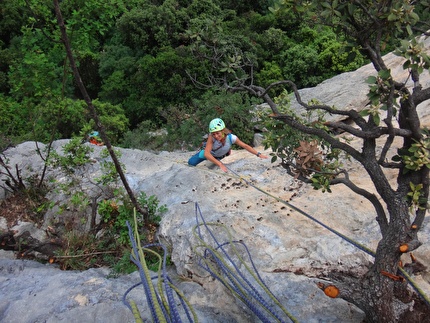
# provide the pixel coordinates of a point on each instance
(218, 135)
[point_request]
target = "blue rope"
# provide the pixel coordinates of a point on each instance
(145, 283)
(237, 281)
(169, 310)
(124, 297)
(171, 301)
(252, 290)
(246, 295)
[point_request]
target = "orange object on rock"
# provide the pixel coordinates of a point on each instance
(404, 248)
(331, 291)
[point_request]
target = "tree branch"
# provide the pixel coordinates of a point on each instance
(99, 125)
(372, 198)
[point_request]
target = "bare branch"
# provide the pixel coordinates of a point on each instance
(381, 216)
(334, 142)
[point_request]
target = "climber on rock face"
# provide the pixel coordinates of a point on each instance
(218, 145)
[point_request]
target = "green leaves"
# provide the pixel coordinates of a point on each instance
(321, 182)
(418, 156)
(371, 79)
(117, 211)
(75, 155)
(416, 57)
(416, 197)
(304, 155)
(380, 88)
(330, 9)
(232, 64)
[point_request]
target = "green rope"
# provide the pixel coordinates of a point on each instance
(159, 280)
(162, 302)
(263, 286)
(136, 313)
(414, 285)
(186, 301)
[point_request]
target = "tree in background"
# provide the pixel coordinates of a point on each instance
(371, 27)
(41, 101)
(134, 56)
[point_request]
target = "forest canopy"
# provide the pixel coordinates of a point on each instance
(136, 58)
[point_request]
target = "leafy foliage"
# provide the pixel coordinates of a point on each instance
(75, 155)
(318, 56)
(115, 214)
(307, 156)
(146, 136)
(186, 126)
(139, 59)
(83, 250)
(373, 27)
(417, 155)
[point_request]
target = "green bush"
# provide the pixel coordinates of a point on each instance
(234, 109)
(186, 126)
(84, 250)
(145, 136)
(116, 212)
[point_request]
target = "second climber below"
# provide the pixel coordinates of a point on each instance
(218, 146)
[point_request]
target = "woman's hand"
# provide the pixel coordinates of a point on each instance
(263, 156)
(223, 168)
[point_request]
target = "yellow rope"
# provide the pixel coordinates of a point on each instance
(157, 313)
(136, 313)
(414, 285)
(182, 296)
(159, 280)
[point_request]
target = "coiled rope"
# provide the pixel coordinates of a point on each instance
(162, 309)
(212, 253)
(247, 285)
